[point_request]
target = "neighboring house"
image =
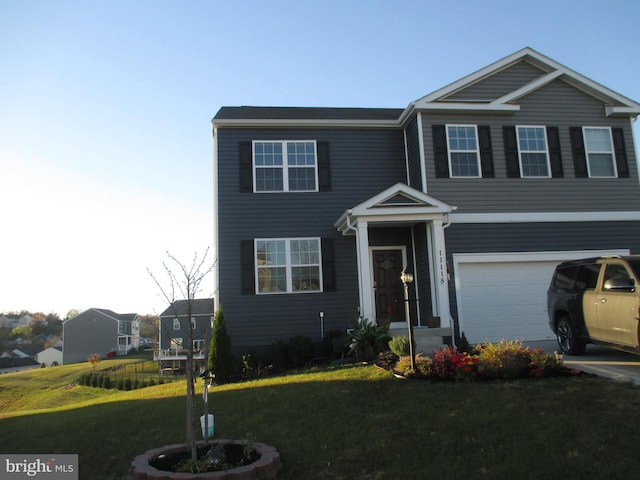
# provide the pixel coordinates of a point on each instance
(50, 356)
(174, 334)
(12, 365)
(100, 331)
(12, 320)
(479, 188)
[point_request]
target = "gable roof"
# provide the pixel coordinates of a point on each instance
(199, 306)
(105, 312)
(399, 203)
(443, 99)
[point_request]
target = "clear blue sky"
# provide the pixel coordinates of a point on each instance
(105, 109)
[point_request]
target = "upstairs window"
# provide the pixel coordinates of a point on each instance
(176, 324)
(285, 166)
(464, 158)
(599, 151)
(288, 265)
(532, 147)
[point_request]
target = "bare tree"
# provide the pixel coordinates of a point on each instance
(184, 283)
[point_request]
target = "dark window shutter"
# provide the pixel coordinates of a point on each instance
(621, 152)
(246, 167)
(324, 167)
(248, 267)
(486, 152)
(511, 151)
(440, 151)
(579, 154)
(555, 155)
(328, 265)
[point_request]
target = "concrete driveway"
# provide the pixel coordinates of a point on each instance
(604, 362)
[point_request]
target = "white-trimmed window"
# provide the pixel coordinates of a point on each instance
(176, 344)
(198, 345)
(285, 166)
(193, 323)
(464, 157)
(176, 324)
(534, 155)
(288, 265)
(598, 147)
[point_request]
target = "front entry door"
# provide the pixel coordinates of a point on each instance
(389, 292)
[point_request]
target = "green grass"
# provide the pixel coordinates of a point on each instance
(353, 422)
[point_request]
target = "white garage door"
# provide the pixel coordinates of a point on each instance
(504, 296)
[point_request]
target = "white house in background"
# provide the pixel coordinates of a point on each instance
(51, 356)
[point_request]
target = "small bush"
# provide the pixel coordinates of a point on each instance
(251, 363)
(368, 339)
(280, 355)
(301, 351)
(400, 346)
(504, 359)
(424, 366)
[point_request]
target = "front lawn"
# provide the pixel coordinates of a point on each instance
(359, 422)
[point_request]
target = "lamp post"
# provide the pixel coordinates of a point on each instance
(407, 278)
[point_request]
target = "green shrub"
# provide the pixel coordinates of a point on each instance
(400, 346)
(251, 363)
(220, 354)
(301, 351)
(127, 384)
(424, 366)
(504, 359)
(368, 339)
(280, 355)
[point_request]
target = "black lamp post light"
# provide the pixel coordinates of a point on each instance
(407, 279)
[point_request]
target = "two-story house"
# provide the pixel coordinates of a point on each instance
(177, 326)
(101, 331)
(479, 189)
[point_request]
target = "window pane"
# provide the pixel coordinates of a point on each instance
(269, 179)
(268, 154)
(462, 138)
(598, 139)
(301, 153)
(601, 165)
(271, 252)
(305, 252)
(272, 280)
(301, 179)
(464, 165)
(534, 165)
(532, 138)
(305, 278)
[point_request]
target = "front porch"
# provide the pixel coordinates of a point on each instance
(382, 252)
(426, 339)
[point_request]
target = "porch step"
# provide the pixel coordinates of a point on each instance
(426, 339)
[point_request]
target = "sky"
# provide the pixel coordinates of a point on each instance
(106, 107)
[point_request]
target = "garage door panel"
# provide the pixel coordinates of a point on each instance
(505, 300)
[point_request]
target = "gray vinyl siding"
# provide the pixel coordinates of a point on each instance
(537, 237)
(88, 333)
(363, 163)
(500, 84)
(413, 154)
(559, 105)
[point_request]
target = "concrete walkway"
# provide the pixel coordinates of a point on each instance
(604, 362)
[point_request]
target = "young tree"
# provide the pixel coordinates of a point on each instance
(220, 355)
(184, 281)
